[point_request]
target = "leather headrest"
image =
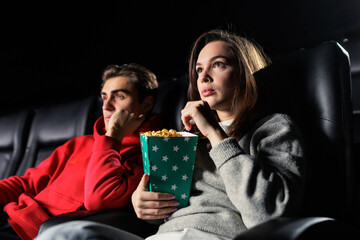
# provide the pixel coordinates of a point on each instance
(59, 123)
(13, 126)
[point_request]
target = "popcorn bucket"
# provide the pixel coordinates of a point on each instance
(169, 161)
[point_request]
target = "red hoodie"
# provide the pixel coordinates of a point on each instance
(88, 172)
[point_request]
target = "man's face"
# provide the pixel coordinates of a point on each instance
(118, 93)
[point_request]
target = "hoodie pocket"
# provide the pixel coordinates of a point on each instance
(56, 203)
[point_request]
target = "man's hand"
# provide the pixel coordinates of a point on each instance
(122, 123)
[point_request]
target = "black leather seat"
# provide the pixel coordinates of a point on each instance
(172, 97)
(54, 125)
(314, 87)
(14, 129)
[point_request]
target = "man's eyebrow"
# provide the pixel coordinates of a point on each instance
(117, 90)
(214, 58)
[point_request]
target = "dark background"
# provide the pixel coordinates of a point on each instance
(56, 51)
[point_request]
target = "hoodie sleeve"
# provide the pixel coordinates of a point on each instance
(115, 168)
(35, 179)
(267, 181)
(112, 176)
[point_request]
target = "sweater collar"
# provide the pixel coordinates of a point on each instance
(225, 124)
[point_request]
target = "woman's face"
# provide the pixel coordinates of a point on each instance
(216, 76)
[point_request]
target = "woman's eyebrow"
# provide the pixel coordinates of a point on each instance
(214, 58)
(219, 56)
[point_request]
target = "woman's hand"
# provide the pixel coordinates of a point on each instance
(122, 122)
(201, 114)
(152, 205)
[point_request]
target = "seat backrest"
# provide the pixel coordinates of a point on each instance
(54, 125)
(14, 130)
(313, 86)
(171, 99)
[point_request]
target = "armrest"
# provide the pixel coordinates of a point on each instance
(300, 228)
(122, 218)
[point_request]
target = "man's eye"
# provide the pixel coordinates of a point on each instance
(120, 97)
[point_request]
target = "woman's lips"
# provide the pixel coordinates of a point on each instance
(207, 92)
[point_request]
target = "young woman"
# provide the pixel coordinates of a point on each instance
(249, 168)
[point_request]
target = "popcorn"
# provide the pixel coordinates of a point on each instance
(162, 133)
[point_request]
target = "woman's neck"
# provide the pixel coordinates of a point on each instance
(225, 115)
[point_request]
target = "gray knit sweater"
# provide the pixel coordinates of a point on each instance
(237, 185)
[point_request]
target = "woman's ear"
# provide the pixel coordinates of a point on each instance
(148, 104)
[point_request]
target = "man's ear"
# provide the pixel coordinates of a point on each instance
(148, 103)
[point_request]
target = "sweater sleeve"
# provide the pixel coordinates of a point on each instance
(266, 181)
(111, 176)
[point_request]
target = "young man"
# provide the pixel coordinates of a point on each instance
(89, 172)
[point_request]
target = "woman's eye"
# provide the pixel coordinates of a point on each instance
(199, 70)
(219, 64)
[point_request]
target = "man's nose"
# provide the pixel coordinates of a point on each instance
(107, 104)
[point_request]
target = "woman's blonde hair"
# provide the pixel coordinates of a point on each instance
(248, 57)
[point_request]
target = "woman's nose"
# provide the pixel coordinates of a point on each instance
(204, 76)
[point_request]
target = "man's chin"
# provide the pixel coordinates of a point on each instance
(106, 123)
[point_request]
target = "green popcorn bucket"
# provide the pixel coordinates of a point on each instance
(169, 161)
